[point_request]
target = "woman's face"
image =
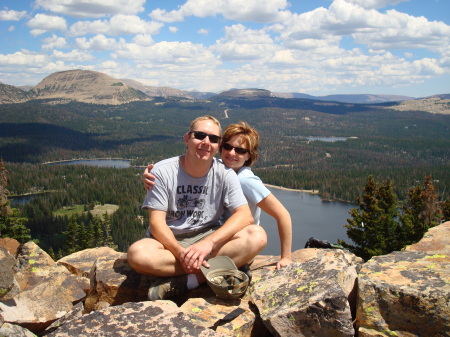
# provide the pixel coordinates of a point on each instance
(231, 158)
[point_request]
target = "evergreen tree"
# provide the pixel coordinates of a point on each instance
(12, 223)
(97, 233)
(373, 227)
(421, 211)
(445, 206)
(107, 232)
(72, 243)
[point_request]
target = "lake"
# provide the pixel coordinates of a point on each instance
(311, 217)
(117, 163)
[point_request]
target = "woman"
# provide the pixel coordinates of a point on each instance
(239, 151)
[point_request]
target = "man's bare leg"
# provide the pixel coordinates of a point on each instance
(149, 257)
(244, 245)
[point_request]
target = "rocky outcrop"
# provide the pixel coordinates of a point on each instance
(407, 293)
(324, 292)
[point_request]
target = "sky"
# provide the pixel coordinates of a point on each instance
(316, 47)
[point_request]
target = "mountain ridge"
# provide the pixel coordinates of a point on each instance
(90, 86)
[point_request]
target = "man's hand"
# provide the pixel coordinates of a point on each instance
(148, 178)
(193, 257)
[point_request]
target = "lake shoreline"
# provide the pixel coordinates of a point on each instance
(292, 189)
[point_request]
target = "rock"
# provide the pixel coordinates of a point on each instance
(76, 312)
(232, 318)
(8, 285)
(407, 293)
(37, 307)
(80, 263)
(34, 266)
(161, 318)
(47, 291)
(11, 330)
(113, 281)
(436, 240)
(310, 297)
(11, 245)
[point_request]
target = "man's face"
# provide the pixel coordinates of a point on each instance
(203, 149)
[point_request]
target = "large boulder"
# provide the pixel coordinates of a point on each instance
(8, 285)
(311, 296)
(80, 263)
(47, 291)
(161, 318)
(407, 293)
(232, 317)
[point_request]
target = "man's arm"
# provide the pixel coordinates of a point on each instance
(161, 232)
(194, 256)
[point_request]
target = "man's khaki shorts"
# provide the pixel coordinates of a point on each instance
(189, 239)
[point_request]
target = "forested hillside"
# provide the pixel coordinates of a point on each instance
(405, 146)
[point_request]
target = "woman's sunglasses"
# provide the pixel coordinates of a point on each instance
(202, 135)
(238, 150)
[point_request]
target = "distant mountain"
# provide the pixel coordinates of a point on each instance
(201, 95)
(86, 86)
(438, 104)
(356, 98)
(95, 87)
(12, 94)
(246, 93)
(157, 91)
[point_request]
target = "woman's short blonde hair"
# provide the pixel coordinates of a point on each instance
(249, 135)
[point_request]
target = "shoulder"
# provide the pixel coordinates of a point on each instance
(219, 166)
(248, 179)
(174, 161)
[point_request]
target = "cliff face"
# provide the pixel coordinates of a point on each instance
(325, 292)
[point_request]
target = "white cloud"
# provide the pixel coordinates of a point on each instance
(11, 15)
(373, 4)
(24, 57)
(173, 29)
(241, 43)
(74, 55)
(143, 40)
(54, 42)
(42, 23)
(177, 54)
(249, 10)
(92, 8)
(98, 43)
(203, 31)
(118, 24)
(400, 30)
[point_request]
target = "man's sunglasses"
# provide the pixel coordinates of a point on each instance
(238, 150)
(202, 135)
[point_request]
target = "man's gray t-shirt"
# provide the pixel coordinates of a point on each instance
(191, 203)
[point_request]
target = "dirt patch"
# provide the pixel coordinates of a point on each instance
(99, 210)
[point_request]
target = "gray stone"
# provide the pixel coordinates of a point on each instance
(310, 297)
(156, 319)
(8, 284)
(407, 293)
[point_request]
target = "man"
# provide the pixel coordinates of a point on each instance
(190, 194)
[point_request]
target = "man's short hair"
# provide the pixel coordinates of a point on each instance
(205, 118)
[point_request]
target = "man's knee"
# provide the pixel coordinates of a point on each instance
(137, 253)
(257, 236)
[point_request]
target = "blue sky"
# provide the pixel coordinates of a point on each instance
(317, 47)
